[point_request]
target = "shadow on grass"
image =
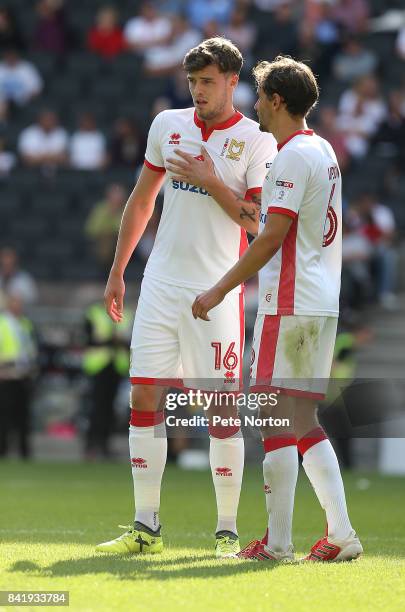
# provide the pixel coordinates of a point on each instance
(147, 568)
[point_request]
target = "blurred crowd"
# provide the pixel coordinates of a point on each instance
(356, 47)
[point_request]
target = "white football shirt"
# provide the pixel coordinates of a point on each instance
(304, 182)
(197, 242)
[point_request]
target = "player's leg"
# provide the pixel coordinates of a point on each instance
(280, 464)
(154, 364)
(211, 354)
(319, 458)
(280, 472)
(322, 468)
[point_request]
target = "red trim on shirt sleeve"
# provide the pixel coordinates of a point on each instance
(154, 168)
(282, 211)
(250, 192)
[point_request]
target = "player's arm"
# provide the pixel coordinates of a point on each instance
(201, 172)
(261, 250)
(137, 212)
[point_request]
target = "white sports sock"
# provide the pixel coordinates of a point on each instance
(280, 472)
(148, 452)
(227, 458)
(322, 468)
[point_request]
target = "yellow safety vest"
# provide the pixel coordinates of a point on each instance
(96, 358)
(10, 343)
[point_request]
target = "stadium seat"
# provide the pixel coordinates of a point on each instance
(64, 88)
(110, 91)
(84, 65)
(45, 62)
(51, 205)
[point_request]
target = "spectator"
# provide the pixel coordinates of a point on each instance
(7, 159)
(379, 227)
(145, 245)
(165, 60)
(327, 128)
(178, 91)
(400, 44)
(88, 145)
(356, 289)
(20, 81)
(241, 32)
(103, 223)
(50, 33)
(390, 138)
(148, 29)
(354, 61)
(10, 35)
(106, 37)
(319, 37)
(127, 145)
(279, 34)
(105, 362)
(4, 114)
(199, 13)
(45, 143)
(351, 15)
(18, 368)
(13, 279)
(361, 110)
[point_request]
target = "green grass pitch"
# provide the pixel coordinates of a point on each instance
(53, 514)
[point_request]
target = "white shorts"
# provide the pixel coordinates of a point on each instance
(169, 347)
(293, 354)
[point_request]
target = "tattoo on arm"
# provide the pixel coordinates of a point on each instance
(252, 212)
(246, 213)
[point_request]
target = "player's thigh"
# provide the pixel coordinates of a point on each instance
(213, 349)
(155, 349)
(293, 354)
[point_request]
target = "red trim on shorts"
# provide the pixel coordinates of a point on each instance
(290, 392)
(223, 431)
(162, 382)
(250, 192)
(241, 335)
(306, 132)
(279, 210)
(286, 289)
(145, 418)
(153, 167)
(243, 243)
(279, 441)
(268, 347)
(310, 439)
(206, 132)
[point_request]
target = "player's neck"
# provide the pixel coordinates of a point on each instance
(283, 132)
(221, 118)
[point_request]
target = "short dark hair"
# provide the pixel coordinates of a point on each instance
(215, 51)
(293, 81)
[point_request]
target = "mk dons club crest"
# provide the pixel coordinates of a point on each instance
(235, 149)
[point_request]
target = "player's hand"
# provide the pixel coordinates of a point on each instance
(114, 297)
(206, 301)
(195, 171)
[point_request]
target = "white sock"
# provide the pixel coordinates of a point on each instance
(148, 452)
(227, 457)
(322, 468)
(280, 472)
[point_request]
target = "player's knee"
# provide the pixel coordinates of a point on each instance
(145, 398)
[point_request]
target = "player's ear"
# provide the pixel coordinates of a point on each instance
(234, 80)
(277, 100)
